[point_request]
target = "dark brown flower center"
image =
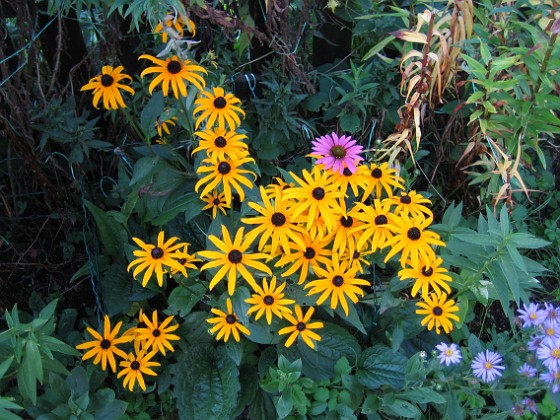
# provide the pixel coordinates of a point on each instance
(405, 199)
(376, 173)
(338, 280)
(182, 261)
(224, 168)
(157, 253)
(300, 326)
(437, 311)
(216, 201)
(105, 344)
(156, 333)
(347, 172)
(174, 67)
(414, 234)
(278, 219)
(220, 142)
(427, 272)
(235, 256)
(135, 365)
(338, 152)
(356, 255)
(318, 193)
(230, 319)
(381, 220)
(220, 102)
(268, 300)
(107, 80)
(309, 253)
(346, 221)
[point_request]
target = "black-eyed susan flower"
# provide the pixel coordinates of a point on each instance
(215, 200)
(301, 327)
(226, 324)
(157, 336)
(107, 86)
(135, 366)
(219, 143)
(316, 252)
(233, 258)
(357, 259)
(375, 225)
(185, 259)
(175, 26)
(433, 276)
(438, 311)
(412, 239)
(355, 181)
(133, 332)
(217, 106)
(158, 258)
(275, 224)
(379, 178)
(345, 233)
(337, 281)
(410, 202)
(175, 72)
(316, 194)
(227, 174)
(162, 125)
(104, 347)
(269, 300)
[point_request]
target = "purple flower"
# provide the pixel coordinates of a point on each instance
(337, 152)
(527, 370)
(550, 331)
(487, 366)
(530, 405)
(518, 409)
(531, 315)
(449, 354)
(534, 342)
(549, 353)
(552, 312)
(552, 379)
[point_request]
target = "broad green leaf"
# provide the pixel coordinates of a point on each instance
(402, 408)
(116, 287)
(5, 403)
(454, 409)
(249, 382)
(189, 203)
(27, 381)
(262, 407)
(284, 405)
(485, 53)
(422, 395)
(7, 415)
(378, 366)
(112, 234)
(371, 404)
(206, 384)
(184, 297)
(143, 170)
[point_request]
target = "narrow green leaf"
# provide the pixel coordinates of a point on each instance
(33, 360)
(504, 221)
(422, 395)
(5, 365)
(485, 53)
(378, 47)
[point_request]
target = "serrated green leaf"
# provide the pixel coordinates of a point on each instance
(378, 366)
(183, 298)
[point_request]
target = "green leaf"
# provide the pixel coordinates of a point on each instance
(378, 366)
(349, 122)
(48, 311)
(112, 234)
(378, 47)
(184, 297)
(206, 384)
(262, 407)
(402, 409)
(33, 360)
(527, 241)
(27, 381)
(500, 283)
(54, 344)
(249, 382)
(5, 403)
(504, 221)
(422, 395)
(6, 415)
(477, 238)
(485, 53)
(144, 168)
(189, 203)
(116, 286)
(5, 365)
(284, 405)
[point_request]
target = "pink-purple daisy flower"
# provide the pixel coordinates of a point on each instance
(531, 315)
(486, 366)
(449, 354)
(337, 153)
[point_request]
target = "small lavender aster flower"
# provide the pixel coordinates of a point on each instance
(337, 153)
(487, 366)
(549, 353)
(530, 405)
(535, 342)
(531, 315)
(552, 379)
(449, 354)
(518, 409)
(550, 331)
(552, 312)
(527, 370)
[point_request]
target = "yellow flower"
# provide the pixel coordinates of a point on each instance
(276, 223)
(135, 366)
(174, 26)
(269, 299)
(174, 72)
(157, 335)
(336, 281)
(155, 257)
(220, 143)
(301, 327)
(215, 201)
(424, 277)
(232, 258)
(317, 194)
(228, 173)
(133, 332)
(375, 224)
(104, 347)
(227, 323)
(439, 312)
(315, 252)
(413, 239)
(381, 177)
(162, 125)
(357, 259)
(218, 106)
(353, 180)
(410, 203)
(106, 86)
(345, 233)
(185, 259)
